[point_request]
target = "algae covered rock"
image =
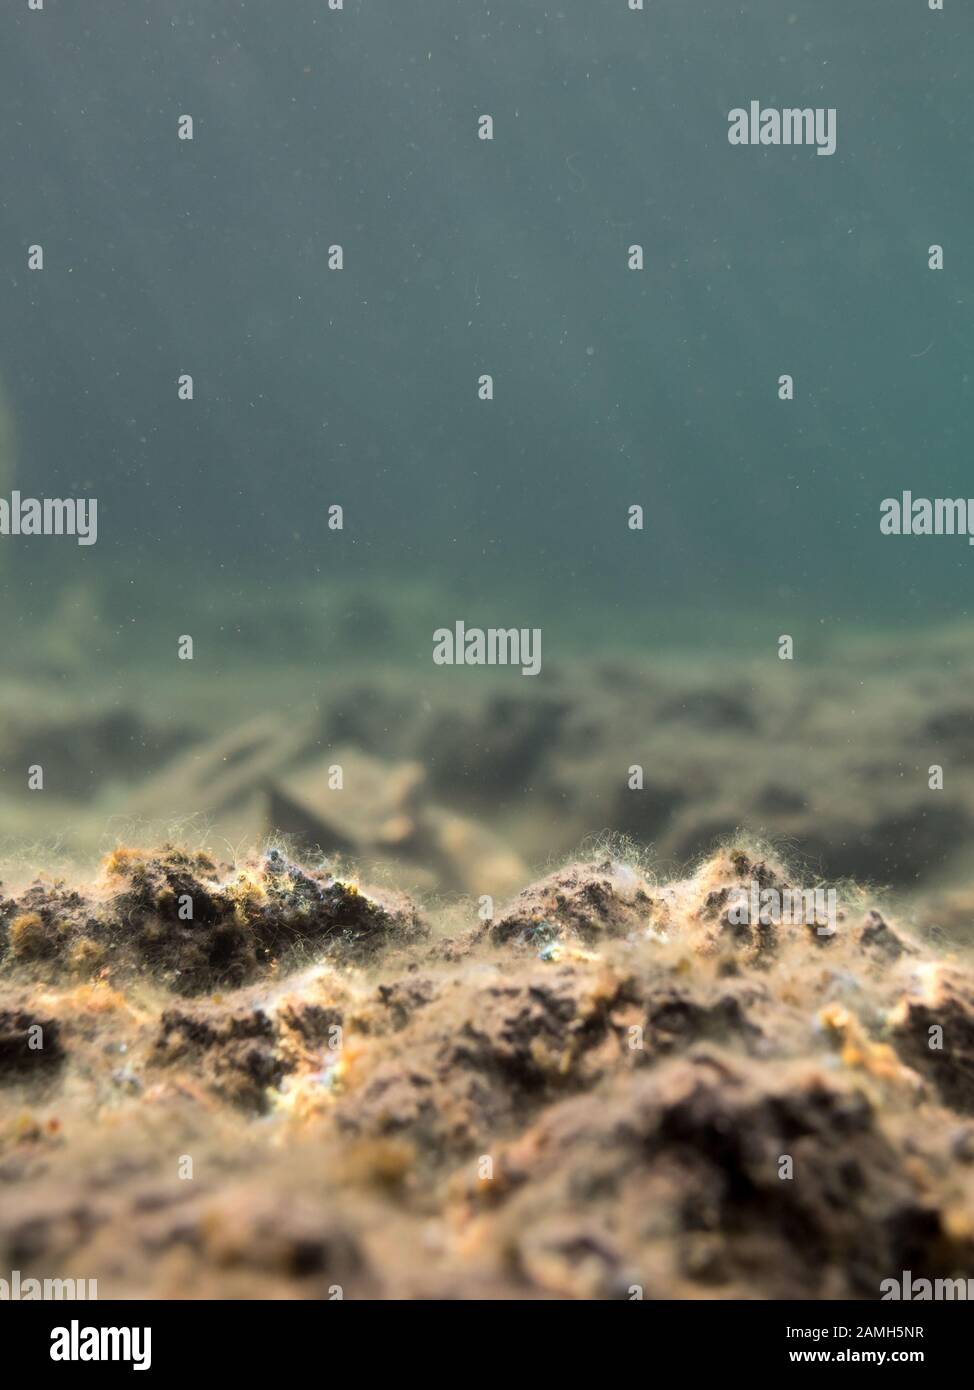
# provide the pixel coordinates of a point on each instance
(584, 902)
(195, 925)
(687, 1087)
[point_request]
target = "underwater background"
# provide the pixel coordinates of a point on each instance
(326, 967)
(314, 387)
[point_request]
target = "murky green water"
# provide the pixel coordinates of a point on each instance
(315, 387)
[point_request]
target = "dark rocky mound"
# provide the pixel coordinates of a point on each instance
(197, 925)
